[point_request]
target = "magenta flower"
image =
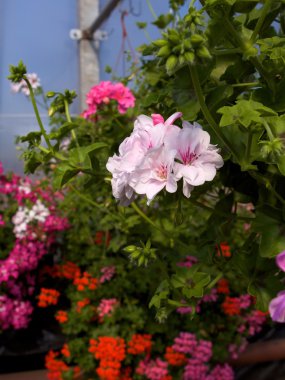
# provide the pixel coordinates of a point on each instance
(106, 91)
(280, 261)
(277, 307)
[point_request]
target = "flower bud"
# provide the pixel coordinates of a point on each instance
(197, 39)
(203, 52)
(50, 94)
(171, 63)
(189, 56)
(160, 43)
(164, 51)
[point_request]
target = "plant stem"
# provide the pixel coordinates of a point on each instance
(268, 130)
(214, 281)
(248, 84)
(86, 199)
(267, 184)
(152, 223)
(261, 19)
(144, 216)
(151, 9)
(248, 146)
(34, 103)
(244, 46)
(68, 117)
(206, 112)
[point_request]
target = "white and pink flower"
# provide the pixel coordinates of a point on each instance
(158, 154)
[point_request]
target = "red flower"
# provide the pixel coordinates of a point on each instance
(139, 344)
(48, 297)
(231, 306)
(174, 358)
(223, 248)
(61, 316)
(223, 286)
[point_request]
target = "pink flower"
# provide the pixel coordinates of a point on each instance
(107, 273)
(277, 307)
(106, 307)
(280, 261)
(23, 87)
(2, 223)
(198, 159)
(155, 173)
(158, 154)
(106, 91)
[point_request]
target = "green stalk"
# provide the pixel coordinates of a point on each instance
(151, 9)
(268, 130)
(266, 183)
(261, 19)
(248, 84)
(244, 46)
(34, 103)
(206, 112)
(68, 117)
(248, 146)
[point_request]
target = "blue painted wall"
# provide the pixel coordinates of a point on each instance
(36, 31)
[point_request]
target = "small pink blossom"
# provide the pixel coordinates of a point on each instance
(23, 87)
(106, 91)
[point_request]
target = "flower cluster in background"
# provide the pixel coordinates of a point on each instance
(103, 93)
(197, 353)
(158, 154)
(30, 223)
(22, 86)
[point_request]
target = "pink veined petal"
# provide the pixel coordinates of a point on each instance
(277, 308)
(172, 118)
(280, 261)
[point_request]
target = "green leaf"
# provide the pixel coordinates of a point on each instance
(78, 155)
(262, 295)
(63, 174)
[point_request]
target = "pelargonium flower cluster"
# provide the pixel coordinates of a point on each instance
(22, 85)
(106, 91)
(29, 233)
(158, 154)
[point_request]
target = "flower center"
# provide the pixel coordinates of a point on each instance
(161, 171)
(187, 156)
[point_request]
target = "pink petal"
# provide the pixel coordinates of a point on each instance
(172, 118)
(280, 261)
(157, 118)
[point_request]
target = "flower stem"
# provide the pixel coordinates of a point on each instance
(261, 19)
(268, 130)
(248, 146)
(68, 117)
(152, 11)
(266, 182)
(34, 103)
(206, 112)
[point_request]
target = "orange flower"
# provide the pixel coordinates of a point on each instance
(231, 306)
(48, 297)
(139, 344)
(223, 286)
(110, 352)
(223, 248)
(65, 351)
(81, 304)
(56, 367)
(85, 281)
(102, 237)
(61, 316)
(174, 358)
(69, 270)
